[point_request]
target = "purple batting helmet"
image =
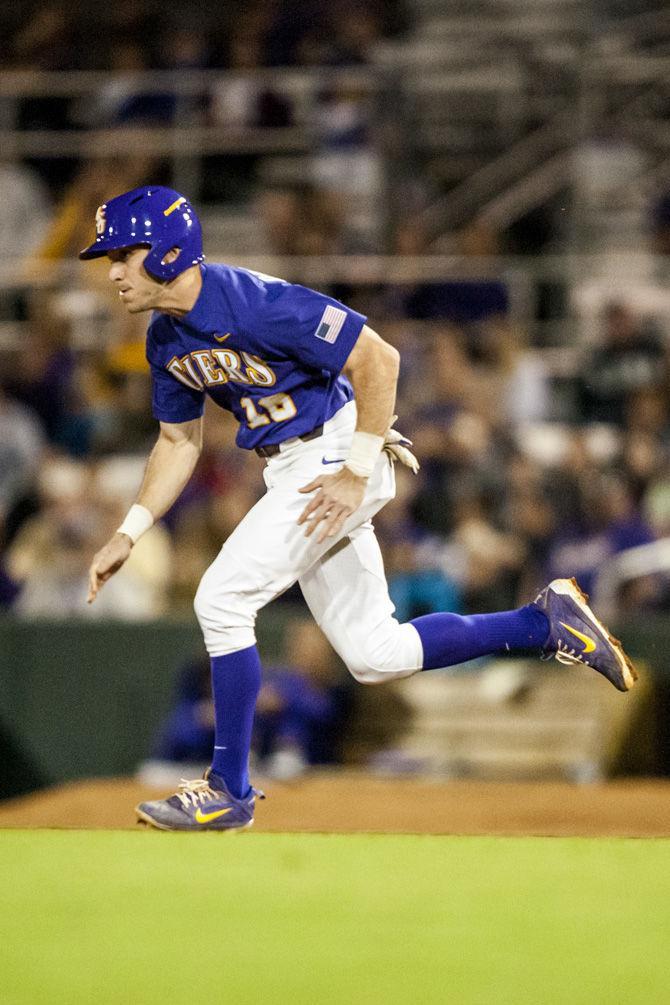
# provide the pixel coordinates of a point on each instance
(154, 216)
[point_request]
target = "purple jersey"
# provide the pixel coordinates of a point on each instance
(268, 351)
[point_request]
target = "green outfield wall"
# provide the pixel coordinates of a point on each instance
(82, 699)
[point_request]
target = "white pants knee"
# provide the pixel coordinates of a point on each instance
(343, 581)
(346, 592)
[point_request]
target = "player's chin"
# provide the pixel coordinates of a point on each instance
(136, 307)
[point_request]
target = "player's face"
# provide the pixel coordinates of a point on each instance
(138, 291)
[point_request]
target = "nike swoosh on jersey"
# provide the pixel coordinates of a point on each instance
(335, 460)
(222, 338)
(205, 818)
(589, 644)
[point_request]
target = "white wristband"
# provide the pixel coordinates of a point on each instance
(137, 522)
(365, 449)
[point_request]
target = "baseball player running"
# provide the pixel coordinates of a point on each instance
(313, 388)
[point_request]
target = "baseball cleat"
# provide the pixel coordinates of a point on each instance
(203, 804)
(576, 635)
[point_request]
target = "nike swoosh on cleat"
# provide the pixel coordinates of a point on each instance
(337, 460)
(205, 818)
(589, 644)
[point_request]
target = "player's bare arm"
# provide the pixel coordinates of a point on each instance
(170, 466)
(372, 368)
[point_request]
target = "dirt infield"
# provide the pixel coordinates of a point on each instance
(350, 802)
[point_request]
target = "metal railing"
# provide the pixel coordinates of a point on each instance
(507, 184)
(586, 282)
(193, 128)
(520, 159)
(628, 565)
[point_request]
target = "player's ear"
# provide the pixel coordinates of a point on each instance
(171, 256)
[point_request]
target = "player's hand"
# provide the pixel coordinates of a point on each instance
(106, 562)
(337, 497)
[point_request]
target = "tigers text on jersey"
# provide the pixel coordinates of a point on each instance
(269, 351)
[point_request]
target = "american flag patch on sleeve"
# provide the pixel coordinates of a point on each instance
(330, 324)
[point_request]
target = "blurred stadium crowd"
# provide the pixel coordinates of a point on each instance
(138, 37)
(506, 497)
(529, 470)
(150, 34)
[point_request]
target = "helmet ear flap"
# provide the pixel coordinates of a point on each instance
(156, 265)
(166, 259)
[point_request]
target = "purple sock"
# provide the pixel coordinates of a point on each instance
(449, 639)
(236, 680)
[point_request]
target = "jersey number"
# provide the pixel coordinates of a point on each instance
(279, 407)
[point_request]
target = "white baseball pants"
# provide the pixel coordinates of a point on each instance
(342, 579)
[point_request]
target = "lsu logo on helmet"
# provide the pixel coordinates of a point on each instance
(100, 222)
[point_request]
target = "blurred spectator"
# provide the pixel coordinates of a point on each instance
(357, 27)
(459, 300)
(301, 708)
(493, 559)
(45, 40)
(9, 590)
(128, 19)
(40, 373)
(64, 387)
(242, 99)
(414, 587)
(120, 418)
(309, 32)
(648, 410)
(295, 34)
(630, 357)
(529, 508)
(202, 521)
(21, 451)
(281, 211)
(51, 553)
(656, 502)
(642, 455)
(299, 714)
(300, 218)
(96, 181)
(455, 435)
(346, 168)
(417, 583)
(661, 224)
(462, 300)
(184, 45)
(609, 523)
(121, 100)
(25, 211)
(516, 377)
(187, 736)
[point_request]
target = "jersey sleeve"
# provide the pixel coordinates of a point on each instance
(172, 401)
(311, 328)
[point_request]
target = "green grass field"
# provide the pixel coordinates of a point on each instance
(120, 916)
